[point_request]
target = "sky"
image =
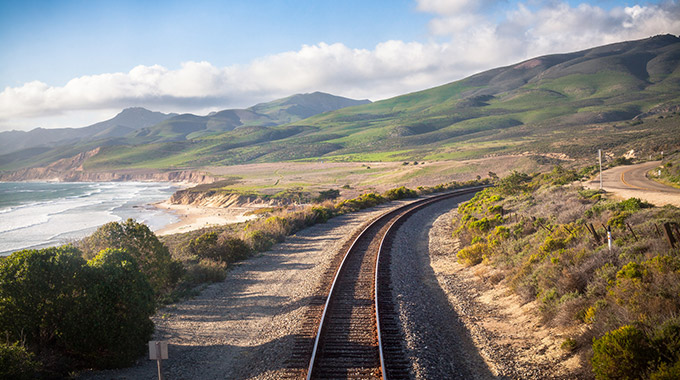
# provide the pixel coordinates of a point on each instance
(71, 63)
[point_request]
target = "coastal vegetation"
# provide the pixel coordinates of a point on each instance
(547, 239)
(89, 305)
(59, 312)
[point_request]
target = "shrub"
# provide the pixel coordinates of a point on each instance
(204, 245)
(139, 241)
(37, 290)
(17, 363)
(205, 271)
(359, 203)
(232, 249)
(666, 372)
(569, 344)
(621, 354)
(514, 183)
(322, 214)
(328, 195)
(93, 314)
(666, 341)
(473, 254)
(110, 326)
(258, 240)
(400, 193)
(561, 176)
(633, 204)
(481, 225)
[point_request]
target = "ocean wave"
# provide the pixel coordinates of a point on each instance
(42, 222)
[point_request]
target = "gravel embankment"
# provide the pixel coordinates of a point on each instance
(456, 325)
(243, 328)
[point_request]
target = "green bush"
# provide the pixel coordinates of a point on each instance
(473, 254)
(482, 225)
(514, 183)
(204, 245)
(359, 203)
(139, 241)
(37, 293)
(400, 193)
(88, 314)
(666, 341)
(259, 241)
(621, 354)
(666, 372)
(17, 363)
(110, 326)
(322, 214)
(232, 249)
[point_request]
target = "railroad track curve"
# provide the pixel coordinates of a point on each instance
(351, 329)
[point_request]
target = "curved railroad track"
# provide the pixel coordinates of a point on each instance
(348, 331)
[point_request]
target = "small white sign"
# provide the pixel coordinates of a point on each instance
(153, 351)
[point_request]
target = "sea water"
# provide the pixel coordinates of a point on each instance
(43, 214)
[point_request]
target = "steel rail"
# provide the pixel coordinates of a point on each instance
(407, 211)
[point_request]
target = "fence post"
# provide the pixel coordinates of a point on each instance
(632, 232)
(669, 234)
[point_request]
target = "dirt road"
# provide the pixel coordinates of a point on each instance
(631, 181)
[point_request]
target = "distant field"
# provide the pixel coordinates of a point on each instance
(353, 178)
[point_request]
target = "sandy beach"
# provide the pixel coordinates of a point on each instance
(195, 217)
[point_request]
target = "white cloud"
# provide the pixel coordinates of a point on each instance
(472, 36)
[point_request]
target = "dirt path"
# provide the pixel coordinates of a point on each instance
(243, 328)
(631, 181)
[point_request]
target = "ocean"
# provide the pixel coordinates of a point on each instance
(44, 214)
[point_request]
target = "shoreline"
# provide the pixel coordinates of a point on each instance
(193, 218)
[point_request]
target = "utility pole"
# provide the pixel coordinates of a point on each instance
(599, 154)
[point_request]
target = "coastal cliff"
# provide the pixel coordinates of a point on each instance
(71, 170)
(222, 200)
(46, 174)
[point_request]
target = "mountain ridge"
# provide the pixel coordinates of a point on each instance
(137, 123)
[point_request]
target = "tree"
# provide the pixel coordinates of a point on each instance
(37, 292)
(111, 325)
(140, 242)
(74, 314)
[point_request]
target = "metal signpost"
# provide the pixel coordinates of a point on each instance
(158, 350)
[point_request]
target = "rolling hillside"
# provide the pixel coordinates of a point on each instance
(616, 97)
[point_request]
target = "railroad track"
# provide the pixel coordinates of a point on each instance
(349, 332)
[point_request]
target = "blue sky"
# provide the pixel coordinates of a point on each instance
(73, 63)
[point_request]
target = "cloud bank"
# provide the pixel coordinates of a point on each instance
(466, 37)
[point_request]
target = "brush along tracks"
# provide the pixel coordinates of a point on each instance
(348, 332)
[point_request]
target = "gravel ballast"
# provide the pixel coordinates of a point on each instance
(457, 323)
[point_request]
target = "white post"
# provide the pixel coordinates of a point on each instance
(609, 237)
(599, 154)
